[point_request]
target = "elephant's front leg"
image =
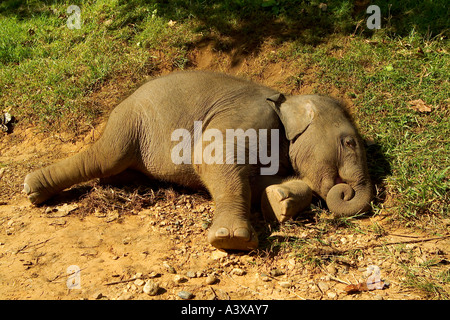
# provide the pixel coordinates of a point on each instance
(283, 201)
(230, 189)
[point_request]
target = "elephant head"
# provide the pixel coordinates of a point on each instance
(326, 151)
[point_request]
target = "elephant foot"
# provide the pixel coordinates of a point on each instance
(232, 233)
(34, 190)
(278, 203)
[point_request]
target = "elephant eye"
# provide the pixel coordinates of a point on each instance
(349, 141)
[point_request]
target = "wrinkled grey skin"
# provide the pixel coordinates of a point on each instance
(319, 151)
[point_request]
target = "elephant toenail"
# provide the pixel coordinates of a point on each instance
(26, 188)
(222, 233)
(242, 233)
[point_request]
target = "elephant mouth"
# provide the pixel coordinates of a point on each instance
(328, 184)
(338, 180)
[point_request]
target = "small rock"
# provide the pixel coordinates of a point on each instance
(264, 277)
(97, 295)
(153, 274)
(186, 295)
(151, 288)
(49, 210)
(216, 255)
(322, 285)
(179, 279)
(191, 274)
(139, 282)
(211, 279)
(285, 284)
(276, 272)
(331, 295)
(126, 240)
(238, 271)
(169, 268)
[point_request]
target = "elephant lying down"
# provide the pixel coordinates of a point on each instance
(242, 141)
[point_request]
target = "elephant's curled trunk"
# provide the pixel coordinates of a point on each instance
(344, 201)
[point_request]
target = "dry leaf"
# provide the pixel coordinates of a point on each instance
(364, 286)
(420, 106)
(355, 288)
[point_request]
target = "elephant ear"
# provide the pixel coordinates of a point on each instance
(295, 117)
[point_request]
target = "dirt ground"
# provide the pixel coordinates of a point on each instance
(120, 238)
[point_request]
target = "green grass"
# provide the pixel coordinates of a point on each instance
(382, 79)
(48, 71)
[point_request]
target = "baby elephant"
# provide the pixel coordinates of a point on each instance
(244, 142)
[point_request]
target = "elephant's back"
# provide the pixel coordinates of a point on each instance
(175, 101)
(178, 99)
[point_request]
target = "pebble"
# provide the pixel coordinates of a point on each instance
(179, 279)
(322, 285)
(139, 282)
(154, 274)
(238, 271)
(211, 279)
(151, 288)
(276, 272)
(186, 295)
(191, 274)
(169, 268)
(216, 255)
(331, 295)
(285, 284)
(264, 277)
(97, 295)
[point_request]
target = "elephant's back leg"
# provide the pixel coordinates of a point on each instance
(114, 152)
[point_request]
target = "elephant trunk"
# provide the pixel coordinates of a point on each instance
(345, 200)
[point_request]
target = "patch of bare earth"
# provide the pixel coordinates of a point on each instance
(121, 238)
